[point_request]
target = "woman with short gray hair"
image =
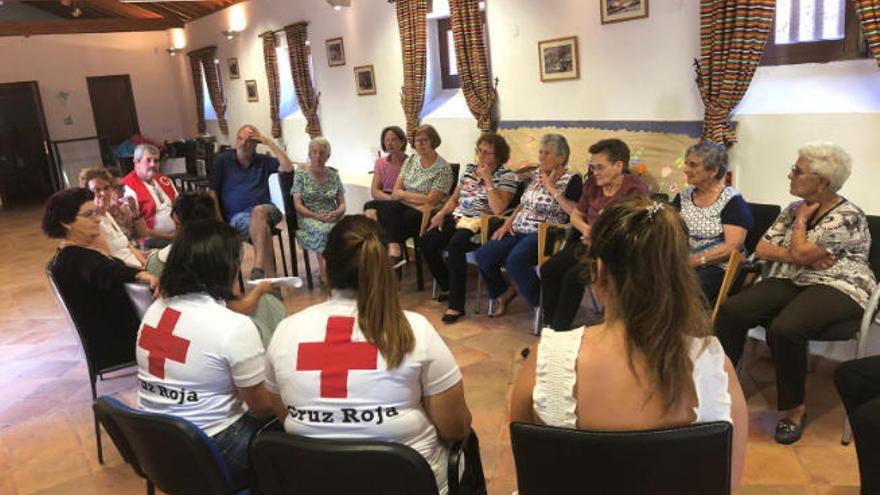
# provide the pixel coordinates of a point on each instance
(717, 216)
(820, 276)
(319, 197)
(549, 198)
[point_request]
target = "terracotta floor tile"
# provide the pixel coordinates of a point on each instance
(833, 465)
(771, 464)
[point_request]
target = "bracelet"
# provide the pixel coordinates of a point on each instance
(557, 193)
(702, 260)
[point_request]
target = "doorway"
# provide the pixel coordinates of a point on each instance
(25, 171)
(113, 107)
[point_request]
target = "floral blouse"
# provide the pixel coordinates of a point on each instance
(538, 206)
(417, 179)
(843, 232)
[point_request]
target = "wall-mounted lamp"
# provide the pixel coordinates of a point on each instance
(231, 34)
(177, 36)
(338, 4)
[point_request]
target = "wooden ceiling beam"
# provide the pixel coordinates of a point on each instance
(121, 9)
(32, 28)
(167, 11)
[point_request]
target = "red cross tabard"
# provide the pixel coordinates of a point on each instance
(161, 344)
(336, 356)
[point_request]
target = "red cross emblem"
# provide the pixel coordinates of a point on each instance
(336, 356)
(161, 344)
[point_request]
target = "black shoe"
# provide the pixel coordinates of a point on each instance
(787, 432)
(442, 296)
(452, 318)
(397, 262)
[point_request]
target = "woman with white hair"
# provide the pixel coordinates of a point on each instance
(820, 275)
(319, 197)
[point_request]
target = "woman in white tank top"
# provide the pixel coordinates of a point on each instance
(653, 363)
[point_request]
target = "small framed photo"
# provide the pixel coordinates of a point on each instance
(622, 10)
(558, 59)
(250, 87)
(365, 79)
(335, 52)
(233, 68)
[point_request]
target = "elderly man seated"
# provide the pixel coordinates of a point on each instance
(240, 184)
(154, 194)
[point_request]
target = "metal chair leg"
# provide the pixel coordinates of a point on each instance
(283, 256)
(151, 490)
(420, 277)
(97, 425)
(847, 431)
(308, 265)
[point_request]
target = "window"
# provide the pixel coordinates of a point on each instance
(210, 114)
(807, 31)
(446, 45)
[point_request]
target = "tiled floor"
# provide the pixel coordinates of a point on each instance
(47, 443)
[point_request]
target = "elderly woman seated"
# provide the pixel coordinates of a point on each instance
(550, 196)
(819, 276)
(653, 362)
(717, 216)
(89, 278)
(562, 276)
(318, 196)
(484, 188)
(99, 181)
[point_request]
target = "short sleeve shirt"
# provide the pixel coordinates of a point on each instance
(706, 224)
(192, 354)
(387, 172)
(337, 385)
(417, 179)
(241, 188)
(473, 199)
(539, 206)
(320, 197)
(843, 232)
(593, 199)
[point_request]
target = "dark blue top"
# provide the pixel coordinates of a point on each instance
(242, 188)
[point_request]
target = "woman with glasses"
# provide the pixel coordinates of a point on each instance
(717, 216)
(485, 188)
(820, 275)
(562, 276)
(90, 278)
(99, 181)
(424, 182)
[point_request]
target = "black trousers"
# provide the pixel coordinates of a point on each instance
(792, 315)
(711, 278)
(399, 222)
(563, 282)
(858, 383)
(451, 273)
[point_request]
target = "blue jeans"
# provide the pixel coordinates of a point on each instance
(242, 220)
(519, 253)
(234, 445)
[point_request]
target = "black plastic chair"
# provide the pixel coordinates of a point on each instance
(141, 297)
(691, 460)
(763, 216)
(288, 464)
(172, 453)
(103, 410)
(97, 365)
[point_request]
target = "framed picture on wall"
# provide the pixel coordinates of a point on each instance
(558, 59)
(622, 10)
(335, 52)
(233, 68)
(250, 87)
(365, 79)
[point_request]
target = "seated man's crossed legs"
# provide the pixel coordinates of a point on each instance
(254, 225)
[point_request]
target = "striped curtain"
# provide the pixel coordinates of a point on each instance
(472, 61)
(207, 57)
(297, 34)
(869, 14)
(271, 62)
(195, 64)
(411, 15)
(732, 38)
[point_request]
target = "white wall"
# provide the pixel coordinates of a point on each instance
(637, 70)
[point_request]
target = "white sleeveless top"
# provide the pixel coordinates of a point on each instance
(556, 374)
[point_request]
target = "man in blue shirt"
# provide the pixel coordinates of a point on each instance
(240, 186)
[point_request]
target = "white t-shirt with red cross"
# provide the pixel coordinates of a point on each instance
(337, 385)
(193, 353)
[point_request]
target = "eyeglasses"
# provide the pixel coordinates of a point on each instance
(88, 214)
(796, 172)
(480, 151)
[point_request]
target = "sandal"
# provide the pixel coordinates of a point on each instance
(499, 306)
(787, 432)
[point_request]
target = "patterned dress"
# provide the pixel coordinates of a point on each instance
(319, 197)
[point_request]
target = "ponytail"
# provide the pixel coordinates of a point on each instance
(356, 258)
